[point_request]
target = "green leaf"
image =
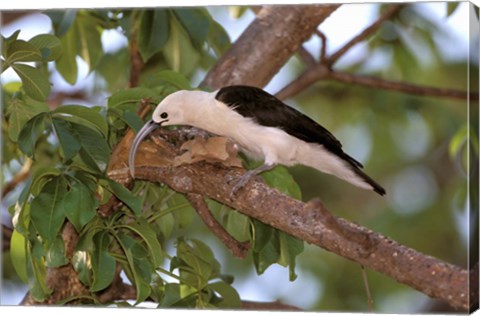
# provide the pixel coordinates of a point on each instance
(80, 204)
(41, 176)
(129, 99)
(198, 263)
(451, 7)
(238, 226)
(66, 64)
(103, 264)
(196, 22)
(28, 136)
(62, 20)
(153, 33)
(56, 254)
(95, 150)
(89, 39)
(67, 137)
(132, 120)
(179, 52)
(174, 78)
(132, 201)
(138, 264)
(47, 209)
(83, 115)
(149, 236)
(81, 260)
(35, 82)
(49, 46)
(290, 248)
(230, 297)
(458, 140)
(280, 178)
(18, 255)
(19, 111)
(269, 254)
(38, 286)
(262, 234)
(21, 51)
(7, 41)
(218, 38)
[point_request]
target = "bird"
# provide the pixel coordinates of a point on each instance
(263, 127)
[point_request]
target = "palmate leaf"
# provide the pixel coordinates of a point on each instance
(22, 51)
(138, 264)
(66, 64)
(18, 255)
(179, 52)
(229, 296)
(82, 115)
(47, 209)
(144, 231)
(19, 111)
(103, 264)
(153, 33)
(196, 22)
(68, 139)
(124, 195)
(55, 256)
(49, 46)
(80, 204)
(35, 82)
(30, 133)
(82, 39)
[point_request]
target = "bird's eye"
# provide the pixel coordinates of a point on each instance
(164, 115)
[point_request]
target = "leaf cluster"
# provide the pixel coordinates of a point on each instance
(71, 145)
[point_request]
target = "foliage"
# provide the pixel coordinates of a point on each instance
(71, 145)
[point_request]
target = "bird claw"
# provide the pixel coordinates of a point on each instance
(239, 185)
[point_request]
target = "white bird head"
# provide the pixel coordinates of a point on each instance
(179, 108)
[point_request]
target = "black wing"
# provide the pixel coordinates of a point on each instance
(267, 110)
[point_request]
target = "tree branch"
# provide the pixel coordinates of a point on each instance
(389, 12)
(322, 71)
(239, 249)
(266, 45)
(311, 222)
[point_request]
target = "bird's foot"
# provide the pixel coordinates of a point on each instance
(242, 182)
(246, 177)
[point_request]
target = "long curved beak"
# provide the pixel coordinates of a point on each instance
(149, 127)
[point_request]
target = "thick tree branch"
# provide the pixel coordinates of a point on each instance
(266, 45)
(311, 222)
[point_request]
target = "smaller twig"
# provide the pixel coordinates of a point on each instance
(367, 289)
(6, 237)
(136, 62)
(323, 49)
(239, 249)
(380, 83)
(389, 12)
(306, 57)
(21, 176)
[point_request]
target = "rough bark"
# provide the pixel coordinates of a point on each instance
(311, 222)
(266, 45)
